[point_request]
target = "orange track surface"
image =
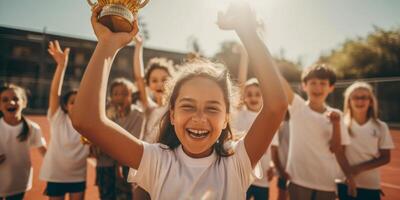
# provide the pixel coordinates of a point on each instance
(390, 173)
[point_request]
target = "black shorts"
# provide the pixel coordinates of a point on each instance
(54, 189)
(362, 193)
(282, 183)
(257, 193)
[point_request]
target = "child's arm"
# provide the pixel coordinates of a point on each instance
(61, 58)
(278, 163)
(335, 143)
(345, 166)
(243, 66)
(138, 71)
(240, 18)
(383, 159)
(88, 114)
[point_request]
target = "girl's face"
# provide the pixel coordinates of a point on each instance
(121, 96)
(253, 98)
(11, 103)
(360, 101)
(199, 116)
(157, 80)
(70, 103)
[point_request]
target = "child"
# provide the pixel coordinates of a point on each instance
(371, 141)
(159, 70)
(130, 118)
(243, 119)
(18, 135)
(190, 162)
(317, 133)
(279, 154)
(64, 166)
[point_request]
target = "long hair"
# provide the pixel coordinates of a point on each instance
(372, 112)
(198, 68)
(23, 136)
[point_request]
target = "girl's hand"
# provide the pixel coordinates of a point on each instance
(239, 17)
(138, 40)
(105, 36)
(351, 187)
(270, 174)
(334, 117)
(2, 158)
(60, 56)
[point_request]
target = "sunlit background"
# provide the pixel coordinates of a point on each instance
(297, 29)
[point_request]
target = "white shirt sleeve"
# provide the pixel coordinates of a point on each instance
(150, 167)
(243, 166)
(385, 139)
(297, 104)
(56, 116)
(36, 139)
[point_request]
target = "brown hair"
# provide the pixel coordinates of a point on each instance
(198, 68)
(158, 63)
(23, 136)
(319, 71)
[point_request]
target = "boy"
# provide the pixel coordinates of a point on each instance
(317, 134)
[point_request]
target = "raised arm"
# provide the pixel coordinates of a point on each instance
(243, 65)
(88, 114)
(61, 58)
(240, 18)
(138, 71)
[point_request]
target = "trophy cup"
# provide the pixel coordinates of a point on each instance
(119, 15)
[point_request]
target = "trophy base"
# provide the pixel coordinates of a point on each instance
(117, 18)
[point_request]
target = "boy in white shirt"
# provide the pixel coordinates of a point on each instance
(317, 136)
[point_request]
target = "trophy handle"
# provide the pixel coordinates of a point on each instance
(142, 4)
(91, 3)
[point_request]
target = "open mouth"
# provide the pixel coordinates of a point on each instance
(197, 134)
(11, 109)
(160, 91)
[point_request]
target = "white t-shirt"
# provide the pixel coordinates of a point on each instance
(65, 160)
(241, 123)
(282, 142)
(242, 120)
(16, 171)
(153, 121)
(366, 141)
(171, 174)
(310, 162)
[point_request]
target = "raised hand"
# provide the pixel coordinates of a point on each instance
(239, 17)
(138, 40)
(60, 56)
(105, 35)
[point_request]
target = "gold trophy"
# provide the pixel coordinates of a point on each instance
(119, 15)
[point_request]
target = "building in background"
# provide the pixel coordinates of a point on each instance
(24, 60)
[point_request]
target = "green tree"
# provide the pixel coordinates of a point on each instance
(376, 55)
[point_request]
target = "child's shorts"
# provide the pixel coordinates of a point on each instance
(282, 183)
(54, 189)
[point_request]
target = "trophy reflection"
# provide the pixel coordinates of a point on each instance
(119, 15)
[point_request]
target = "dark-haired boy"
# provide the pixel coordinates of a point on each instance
(317, 135)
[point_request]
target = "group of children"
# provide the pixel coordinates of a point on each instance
(187, 138)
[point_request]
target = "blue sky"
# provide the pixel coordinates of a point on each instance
(303, 28)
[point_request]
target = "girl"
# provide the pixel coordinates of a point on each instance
(243, 119)
(371, 141)
(159, 70)
(64, 166)
(190, 160)
(18, 135)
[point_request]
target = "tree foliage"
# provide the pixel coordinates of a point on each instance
(376, 55)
